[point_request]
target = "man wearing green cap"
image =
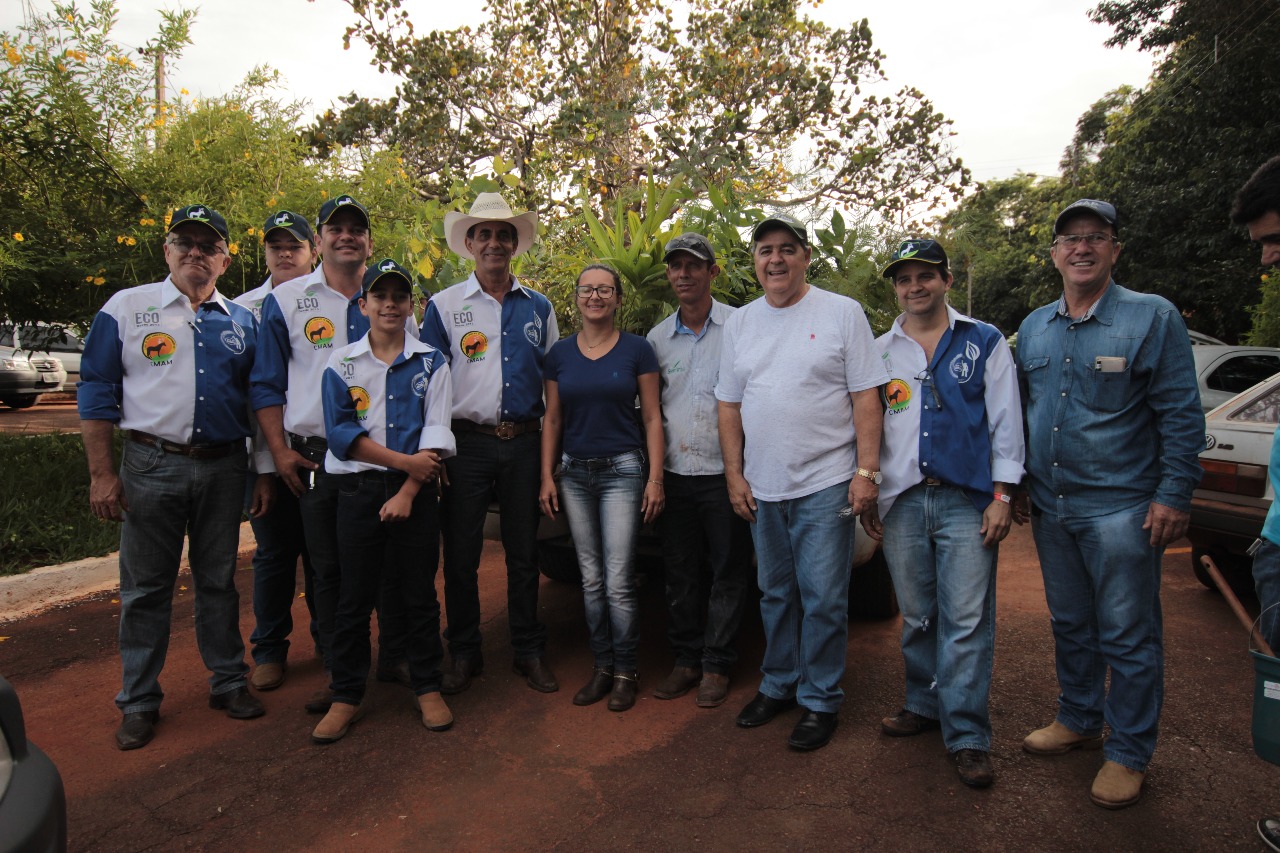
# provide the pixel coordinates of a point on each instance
(169, 363)
(290, 250)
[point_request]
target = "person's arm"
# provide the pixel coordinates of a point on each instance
(106, 493)
(655, 498)
(1008, 451)
(268, 392)
(868, 426)
(1174, 396)
(552, 428)
(732, 443)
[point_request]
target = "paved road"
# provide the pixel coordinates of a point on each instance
(526, 771)
(54, 413)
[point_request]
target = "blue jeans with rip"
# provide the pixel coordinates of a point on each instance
(946, 584)
(172, 497)
(275, 574)
(804, 551)
(601, 498)
(1102, 584)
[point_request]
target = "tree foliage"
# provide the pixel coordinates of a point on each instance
(588, 96)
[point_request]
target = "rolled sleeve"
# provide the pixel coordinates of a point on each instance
(437, 410)
(269, 381)
(340, 427)
(101, 387)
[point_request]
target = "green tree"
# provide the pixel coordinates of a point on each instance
(74, 109)
(588, 96)
(1172, 156)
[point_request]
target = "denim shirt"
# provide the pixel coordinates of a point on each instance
(1107, 436)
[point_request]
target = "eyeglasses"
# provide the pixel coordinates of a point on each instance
(183, 246)
(1093, 240)
(604, 291)
(925, 378)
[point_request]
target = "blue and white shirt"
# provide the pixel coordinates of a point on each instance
(404, 406)
(253, 299)
(496, 350)
(957, 418)
(303, 322)
(153, 364)
(689, 366)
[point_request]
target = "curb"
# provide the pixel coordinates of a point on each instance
(39, 589)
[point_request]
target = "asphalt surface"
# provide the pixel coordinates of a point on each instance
(522, 770)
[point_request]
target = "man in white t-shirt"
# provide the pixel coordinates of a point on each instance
(798, 387)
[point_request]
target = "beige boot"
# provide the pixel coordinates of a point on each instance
(1057, 739)
(335, 723)
(1116, 786)
(436, 715)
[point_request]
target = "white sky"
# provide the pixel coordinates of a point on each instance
(1013, 75)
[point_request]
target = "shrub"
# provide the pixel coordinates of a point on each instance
(44, 504)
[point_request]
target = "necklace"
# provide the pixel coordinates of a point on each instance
(607, 337)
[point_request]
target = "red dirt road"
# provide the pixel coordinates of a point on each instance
(526, 771)
(54, 413)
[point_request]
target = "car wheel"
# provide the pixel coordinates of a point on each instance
(1236, 569)
(22, 401)
(871, 594)
(558, 561)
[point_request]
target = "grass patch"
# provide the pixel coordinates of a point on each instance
(44, 504)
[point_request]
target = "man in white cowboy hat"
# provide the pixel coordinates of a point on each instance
(496, 334)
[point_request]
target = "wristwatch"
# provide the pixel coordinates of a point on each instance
(873, 476)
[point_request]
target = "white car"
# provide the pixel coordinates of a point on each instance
(1229, 507)
(46, 339)
(25, 376)
(1224, 371)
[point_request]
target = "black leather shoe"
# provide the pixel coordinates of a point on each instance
(239, 704)
(762, 709)
(974, 767)
(623, 695)
(395, 673)
(600, 685)
(814, 730)
(538, 674)
(458, 678)
(137, 729)
(1268, 829)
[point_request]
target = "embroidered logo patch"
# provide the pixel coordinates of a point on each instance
(360, 397)
(897, 395)
(319, 331)
(474, 345)
(964, 364)
(158, 348)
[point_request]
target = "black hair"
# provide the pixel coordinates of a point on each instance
(1260, 194)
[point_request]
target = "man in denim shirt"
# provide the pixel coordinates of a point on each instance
(1115, 429)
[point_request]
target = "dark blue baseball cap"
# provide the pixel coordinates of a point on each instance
(389, 271)
(201, 214)
(1104, 210)
(287, 220)
(924, 251)
(333, 205)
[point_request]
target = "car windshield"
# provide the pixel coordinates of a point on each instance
(1264, 410)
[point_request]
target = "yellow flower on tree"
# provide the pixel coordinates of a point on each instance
(17, 235)
(129, 241)
(99, 280)
(234, 248)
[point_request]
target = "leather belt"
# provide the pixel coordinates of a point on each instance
(310, 446)
(194, 451)
(506, 430)
(933, 481)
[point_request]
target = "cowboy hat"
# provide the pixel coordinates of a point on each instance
(489, 207)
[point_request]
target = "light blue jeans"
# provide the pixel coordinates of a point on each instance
(804, 551)
(946, 585)
(170, 497)
(1102, 584)
(602, 499)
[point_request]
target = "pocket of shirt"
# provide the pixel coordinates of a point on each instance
(1110, 390)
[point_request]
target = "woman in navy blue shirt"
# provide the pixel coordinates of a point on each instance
(610, 474)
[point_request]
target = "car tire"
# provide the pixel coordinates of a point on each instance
(1236, 569)
(21, 401)
(871, 593)
(558, 561)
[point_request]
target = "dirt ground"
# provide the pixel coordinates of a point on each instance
(54, 413)
(522, 770)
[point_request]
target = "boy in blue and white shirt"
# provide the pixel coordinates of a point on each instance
(387, 402)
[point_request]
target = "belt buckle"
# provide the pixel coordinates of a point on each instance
(506, 430)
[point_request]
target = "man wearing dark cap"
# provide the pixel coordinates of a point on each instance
(303, 322)
(169, 364)
(799, 355)
(1257, 208)
(951, 454)
(290, 251)
(1114, 434)
(698, 521)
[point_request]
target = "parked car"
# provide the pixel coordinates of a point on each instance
(1229, 507)
(1224, 371)
(33, 804)
(1201, 339)
(46, 339)
(871, 593)
(24, 377)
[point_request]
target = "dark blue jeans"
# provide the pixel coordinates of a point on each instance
(319, 509)
(275, 571)
(699, 522)
(370, 551)
(487, 467)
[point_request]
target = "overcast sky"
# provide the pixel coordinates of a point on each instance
(1013, 75)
